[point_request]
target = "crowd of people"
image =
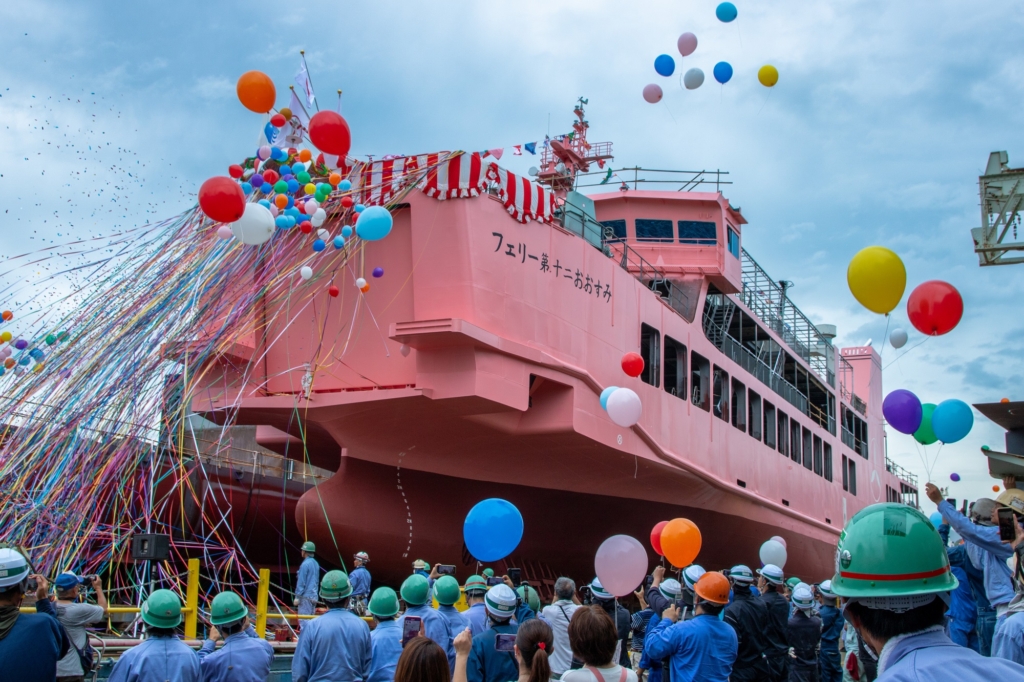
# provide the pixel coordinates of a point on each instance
(902, 605)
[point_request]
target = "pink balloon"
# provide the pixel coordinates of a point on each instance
(779, 539)
(621, 564)
(687, 44)
(653, 94)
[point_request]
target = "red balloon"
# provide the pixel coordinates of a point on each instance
(306, 226)
(656, 537)
(334, 291)
(329, 132)
(348, 202)
(277, 120)
(935, 307)
(271, 176)
(235, 171)
(632, 364)
(222, 199)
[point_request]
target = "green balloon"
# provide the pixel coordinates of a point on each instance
(303, 177)
(924, 434)
(280, 186)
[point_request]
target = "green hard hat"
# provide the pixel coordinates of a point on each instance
(383, 602)
(530, 596)
(475, 583)
(488, 572)
(335, 586)
(415, 590)
(227, 608)
(162, 610)
(446, 589)
(793, 582)
(891, 550)
(308, 546)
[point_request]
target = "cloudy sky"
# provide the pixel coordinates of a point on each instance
(112, 114)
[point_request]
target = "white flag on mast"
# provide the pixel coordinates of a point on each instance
(303, 83)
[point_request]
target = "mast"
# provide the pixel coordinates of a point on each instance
(566, 156)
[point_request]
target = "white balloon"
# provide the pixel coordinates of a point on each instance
(404, 350)
(898, 338)
(693, 79)
(360, 283)
(624, 407)
(324, 234)
(224, 232)
(779, 539)
(319, 216)
(772, 552)
(255, 226)
(310, 207)
(306, 272)
(533, 170)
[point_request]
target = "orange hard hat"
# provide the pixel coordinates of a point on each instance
(713, 587)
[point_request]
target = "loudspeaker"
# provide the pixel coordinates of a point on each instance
(150, 546)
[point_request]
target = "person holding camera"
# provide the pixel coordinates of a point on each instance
(488, 660)
(30, 643)
(75, 616)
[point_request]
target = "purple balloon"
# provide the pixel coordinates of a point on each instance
(902, 410)
(954, 477)
(378, 272)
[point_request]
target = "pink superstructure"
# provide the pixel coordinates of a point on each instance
(473, 369)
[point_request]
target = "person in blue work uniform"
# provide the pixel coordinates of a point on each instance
(486, 663)
(663, 593)
(421, 567)
(475, 589)
(984, 548)
(162, 657)
(770, 583)
(336, 646)
(447, 592)
(965, 627)
(416, 593)
(703, 648)
(31, 644)
(360, 580)
(892, 573)
(308, 580)
(748, 615)
(831, 631)
(1008, 641)
(386, 637)
(803, 633)
(244, 657)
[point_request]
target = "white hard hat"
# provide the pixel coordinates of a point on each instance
(597, 589)
(500, 601)
(825, 589)
(691, 574)
(741, 574)
(772, 574)
(14, 567)
(802, 597)
(362, 556)
(670, 588)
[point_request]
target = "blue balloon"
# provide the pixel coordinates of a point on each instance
(605, 394)
(277, 154)
(952, 420)
(374, 223)
(359, 208)
(24, 360)
(266, 188)
(265, 203)
(293, 186)
(291, 202)
(292, 222)
(339, 242)
(319, 245)
(726, 12)
(344, 185)
(723, 72)
(936, 519)
(664, 65)
(493, 529)
(247, 188)
(281, 221)
(285, 170)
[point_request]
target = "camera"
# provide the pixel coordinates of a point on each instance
(31, 585)
(586, 595)
(86, 580)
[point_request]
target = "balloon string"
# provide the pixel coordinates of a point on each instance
(765, 102)
(885, 336)
(908, 350)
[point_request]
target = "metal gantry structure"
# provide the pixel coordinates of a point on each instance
(1001, 189)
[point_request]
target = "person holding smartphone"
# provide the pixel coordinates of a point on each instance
(416, 595)
(491, 659)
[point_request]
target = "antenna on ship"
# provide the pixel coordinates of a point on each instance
(566, 156)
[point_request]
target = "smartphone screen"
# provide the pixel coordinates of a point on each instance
(503, 642)
(446, 569)
(952, 502)
(491, 582)
(410, 628)
(516, 576)
(1007, 525)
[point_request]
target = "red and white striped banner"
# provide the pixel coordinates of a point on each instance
(462, 175)
(524, 199)
(380, 181)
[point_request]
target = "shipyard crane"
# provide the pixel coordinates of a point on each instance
(1002, 197)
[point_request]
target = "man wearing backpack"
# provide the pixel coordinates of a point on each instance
(75, 615)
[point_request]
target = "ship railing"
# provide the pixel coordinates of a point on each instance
(900, 473)
(856, 444)
(767, 300)
(655, 280)
(630, 178)
(270, 464)
(859, 405)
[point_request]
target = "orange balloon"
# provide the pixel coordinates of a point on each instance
(9, 363)
(680, 541)
(1002, 400)
(256, 91)
(281, 200)
(305, 155)
(334, 179)
(995, 488)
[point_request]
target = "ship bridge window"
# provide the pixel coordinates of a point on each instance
(755, 415)
(700, 380)
(652, 230)
(720, 394)
(817, 456)
(739, 405)
(769, 424)
(794, 440)
(849, 475)
(808, 451)
(615, 230)
(698, 232)
(650, 351)
(733, 241)
(828, 462)
(783, 434)
(675, 368)
(854, 432)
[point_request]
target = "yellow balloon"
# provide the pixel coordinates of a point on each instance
(310, 188)
(768, 75)
(877, 279)
(5, 337)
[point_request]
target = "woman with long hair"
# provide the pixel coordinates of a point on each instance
(534, 641)
(422, 660)
(593, 636)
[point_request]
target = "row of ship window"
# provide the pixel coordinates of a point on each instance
(744, 409)
(694, 232)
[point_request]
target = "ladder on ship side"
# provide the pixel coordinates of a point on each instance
(718, 318)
